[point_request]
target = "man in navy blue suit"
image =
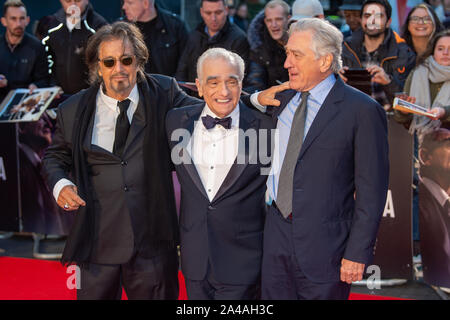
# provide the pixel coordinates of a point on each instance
(222, 159)
(329, 176)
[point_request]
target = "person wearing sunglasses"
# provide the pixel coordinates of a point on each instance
(110, 163)
(421, 25)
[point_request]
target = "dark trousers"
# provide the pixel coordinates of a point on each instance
(282, 277)
(153, 278)
(211, 289)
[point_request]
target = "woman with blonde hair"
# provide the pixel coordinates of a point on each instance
(421, 25)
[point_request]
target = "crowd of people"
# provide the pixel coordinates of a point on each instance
(388, 56)
(111, 159)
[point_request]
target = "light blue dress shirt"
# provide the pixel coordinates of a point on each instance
(315, 100)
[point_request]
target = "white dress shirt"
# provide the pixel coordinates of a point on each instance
(103, 132)
(436, 190)
(214, 151)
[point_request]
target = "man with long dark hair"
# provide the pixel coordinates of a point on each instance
(110, 161)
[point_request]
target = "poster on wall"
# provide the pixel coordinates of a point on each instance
(39, 211)
(9, 179)
(434, 206)
(22, 106)
(393, 250)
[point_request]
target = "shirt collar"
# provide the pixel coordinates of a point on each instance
(320, 91)
(439, 194)
(112, 103)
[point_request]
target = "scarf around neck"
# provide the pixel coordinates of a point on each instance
(429, 71)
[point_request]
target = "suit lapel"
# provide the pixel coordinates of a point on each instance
(328, 110)
(246, 121)
(188, 120)
(87, 143)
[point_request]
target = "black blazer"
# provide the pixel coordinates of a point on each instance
(66, 158)
(340, 182)
(228, 231)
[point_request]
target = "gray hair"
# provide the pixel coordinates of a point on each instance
(220, 53)
(326, 39)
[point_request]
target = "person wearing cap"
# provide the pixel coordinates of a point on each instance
(267, 36)
(379, 50)
(352, 13)
(306, 9)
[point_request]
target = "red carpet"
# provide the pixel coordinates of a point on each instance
(32, 279)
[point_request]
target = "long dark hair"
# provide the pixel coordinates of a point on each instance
(436, 22)
(117, 30)
(432, 45)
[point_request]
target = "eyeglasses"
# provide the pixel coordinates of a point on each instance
(424, 20)
(111, 62)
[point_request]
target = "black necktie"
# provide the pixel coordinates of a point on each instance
(210, 122)
(122, 127)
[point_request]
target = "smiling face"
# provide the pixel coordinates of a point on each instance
(305, 70)
(276, 22)
(420, 23)
(120, 79)
(219, 85)
(442, 51)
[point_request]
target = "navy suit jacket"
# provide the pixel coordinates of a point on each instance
(340, 182)
(228, 231)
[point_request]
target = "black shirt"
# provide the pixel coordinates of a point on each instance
(25, 65)
(165, 37)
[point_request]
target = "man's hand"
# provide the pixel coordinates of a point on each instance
(379, 75)
(69, 200)
(267, 97)
(3, 81)
(351, 271)
(438, 113)
(342, 74)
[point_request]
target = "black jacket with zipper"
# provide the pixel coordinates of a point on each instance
(230, 37)
(398, 59)
(165, 43)
(66, 49)
(25, 65)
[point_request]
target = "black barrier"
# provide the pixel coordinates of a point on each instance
(393, 252)
(27, 203)
(9, 179)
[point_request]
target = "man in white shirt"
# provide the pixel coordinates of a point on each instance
(110, 162)
(220, 149)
